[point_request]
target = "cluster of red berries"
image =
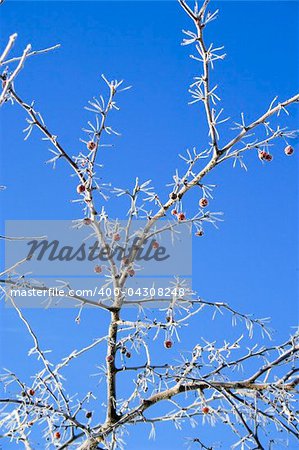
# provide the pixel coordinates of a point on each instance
(205, 410)
(180, 216)
(168, 343)
(203, 202)
(265, 156)
(57, 435)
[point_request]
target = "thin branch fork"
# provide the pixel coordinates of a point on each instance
(8, 47)
(197, 19)
(262, 119)
(33, 53)
(29, 109)
(10, 79)
(38, 350)
(7, 81)
(43, 407)
(179, 388)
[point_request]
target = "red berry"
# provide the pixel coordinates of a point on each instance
(87, 221)
(203, 202)
(128, 355)
(31, 392)
(199, 233)
(262, 154)
(155, 244)
(80, 188)
(268, 157)
(181, 217)
(116, 237)
(98, 269)
(110, 359)
(289, 150)
(88, 415)
(57, 435)
(91, 145)
(131, 272)
(174, 212)
(205, 410)
(168, 344)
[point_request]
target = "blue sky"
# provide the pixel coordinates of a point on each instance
(251, 261)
